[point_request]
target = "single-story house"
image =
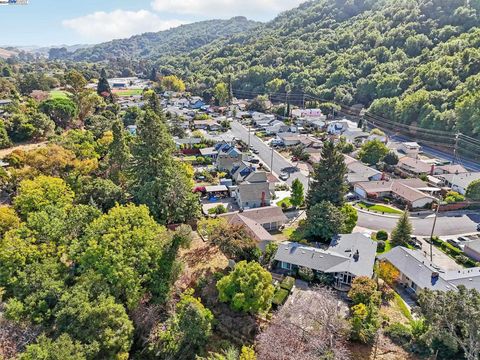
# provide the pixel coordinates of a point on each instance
(418, 273)
(415, 193)
(211, 125)
(359, 172)
(411, 149)
(270, 217)
(314, 123)
(277, 127)
(348, 256)
(459, 182)
(355, 135)
(187, 142)
(209, 152)
(308, 113)
(415, 167)
(196, 104)
(338, 127)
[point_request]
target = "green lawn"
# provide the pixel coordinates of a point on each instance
(285, 201)
(295, 234)
(128, 92)
(58, 94)
(388, 247)
(379, 208)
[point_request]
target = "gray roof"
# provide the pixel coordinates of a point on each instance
(474, 245)
(253, 191)
(339, 257)
(215, 188)
(418, 268)
(263, 215)
(461, 180)
(208, 151)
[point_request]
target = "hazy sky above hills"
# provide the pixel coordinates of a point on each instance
(53, 22)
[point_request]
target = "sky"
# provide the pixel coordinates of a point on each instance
(70, 22)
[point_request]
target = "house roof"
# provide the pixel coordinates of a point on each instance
(426, 275)
(408, 193)
(263, 215)
(418, 166)
(417, 268)
(474, 245)
(408, 189)
(353, 253)
(257, 177)
(215, 188)
(452, 169)
(461, 180)
(253, 191)
(208, 151)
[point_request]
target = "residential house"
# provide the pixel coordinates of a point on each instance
(209, 152)
(355, 135)
(348, 256)
(181, 103)
(277, 127)
(258, 222)
(314, 123)
(253, 191)
(414, 167)
(459, 182)
(308, 114)
(197, 104)
(411, 149)
(338, 127)
(359, 172)
(187, 142)
(417, 272)
(227, 156)
(415, 193)
(294, 139)
(258, 116)
(210, 124)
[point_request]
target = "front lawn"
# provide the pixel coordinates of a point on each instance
(58, 94)
(388, 247)
(379, 208)
(128, 92)
(285, 203)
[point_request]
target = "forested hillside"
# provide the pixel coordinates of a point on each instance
(150, 45)
(414, 61)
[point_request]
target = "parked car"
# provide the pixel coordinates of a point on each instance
(284, 176)
(456, 243)
(415, 242)
(463, 238)
(254, 161)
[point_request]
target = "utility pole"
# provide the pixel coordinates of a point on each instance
(455, 149)
(433, 230)
(249, 132)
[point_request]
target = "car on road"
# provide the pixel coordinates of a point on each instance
(284, 176)
(415, 242)
(290, 169)
(254, 161)
(456, 243)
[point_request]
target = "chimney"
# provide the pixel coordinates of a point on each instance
(356, 256)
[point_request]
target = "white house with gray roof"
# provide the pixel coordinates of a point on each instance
(347, 256)
(417, 272)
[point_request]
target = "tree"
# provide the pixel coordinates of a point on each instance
(401, 235)
(62, 348)
(387, 272)
(158, 180)
(390, 159)
(364, 322)
(4, 139)
(364, 291)
(247, 353)
(247, 288)
(324, 221)
(124, 247)
(319, 334)
(96, 321)
(118, 154)
(350, 216)
(473, 190)
(186, 332)
(173, 83)
(328, 182)
(373, 151)
(60, 110)
(102, 192)
(103, 87)
(297, 198)
(221, 93)
(8, 219)
(35, 195)
(233, 240)
(453, 314)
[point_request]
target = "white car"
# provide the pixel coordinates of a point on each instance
(284, 176)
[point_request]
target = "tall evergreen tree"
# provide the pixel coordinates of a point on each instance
(401, 235)
(328, 182)
(119, 153)
(159, 181)
(298, 197)
(103, 86)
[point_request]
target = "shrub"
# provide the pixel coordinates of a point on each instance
(306, 274)
(382, 235)
(280, 297)
(381, 246)
(387, 293)
(400, 334)
(287, 283)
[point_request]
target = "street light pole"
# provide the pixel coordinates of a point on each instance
(433, 230)
(249, 131)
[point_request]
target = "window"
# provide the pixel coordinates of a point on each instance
(286, 266)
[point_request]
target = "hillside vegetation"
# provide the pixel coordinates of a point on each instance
(412, 61)
(173, 41)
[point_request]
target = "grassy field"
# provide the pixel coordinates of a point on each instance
(58, 94)
(379, 208)
(388, 247)
(128, 92)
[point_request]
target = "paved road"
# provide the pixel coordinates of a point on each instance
(447, 224)
(265, 153)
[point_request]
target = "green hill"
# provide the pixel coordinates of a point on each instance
(177, 40)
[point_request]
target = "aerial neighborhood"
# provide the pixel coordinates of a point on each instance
(306, 188)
